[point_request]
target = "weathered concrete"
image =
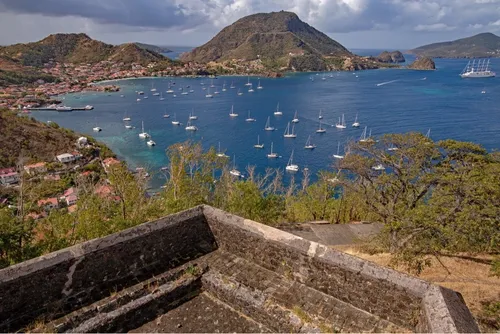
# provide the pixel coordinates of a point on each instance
(281, 281)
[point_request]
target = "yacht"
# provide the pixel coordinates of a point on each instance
(156, 94)
(478, 70)
(232, 85)
(290, 166)
(364, 138)
(126, 118)
(140, 92)
(338, 155)
(320, 130)
(341, 123)
(249, 118)
(96, 129)
(138, 100)
(239, 92)
(212, 84)
(224, 87)
(248, 83)
(356, 123)
(153, 89)
(320, 114)
(289, 134)
(251, 90)
(145, 97)
(161, 96)
(272, 155)
(221, 154)
(258, 145)
(192, 116)
(216, 91)
(378, 167)
(232, 113)
(128, 126)
(208, 95)
(88, 107)
(392, 148)
(190, 127)
(234, 171)
(309, 145)
(165, 115)
(151, 142)
(175, 121)
(259, 86)
(278, 112)
(143, 134)
(268, 126)
(170, 90)
(295, 118)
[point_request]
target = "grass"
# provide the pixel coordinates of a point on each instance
(470, 276)
(303, 316)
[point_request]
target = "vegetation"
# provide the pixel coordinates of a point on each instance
(154, 48)
(482, 45)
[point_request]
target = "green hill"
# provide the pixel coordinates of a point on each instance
(266, 35)
(154, 48)
(478, 46)
(75, 48)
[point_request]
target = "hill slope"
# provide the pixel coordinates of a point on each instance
(74, 48)
(154, 48)
(481, 45)
(266, 35)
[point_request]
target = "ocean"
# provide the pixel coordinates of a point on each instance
(385, 100)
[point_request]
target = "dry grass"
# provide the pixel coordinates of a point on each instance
(471, 278)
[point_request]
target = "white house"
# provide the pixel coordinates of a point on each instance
(39, 167)
(8, 176)
(66, 157)
(82, 141)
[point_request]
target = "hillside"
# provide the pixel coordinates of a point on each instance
(154, 48)
(13, 73)
(37, 141)
(266, 35)
(423, 63)
(74, 48)
(478, 46)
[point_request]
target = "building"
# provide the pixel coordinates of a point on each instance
(82, 142)
(38, 168)
(9, 176)
(65, 158)
(71, 200)
(48, 203)
(109, 162)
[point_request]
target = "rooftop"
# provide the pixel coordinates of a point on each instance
(206, 270)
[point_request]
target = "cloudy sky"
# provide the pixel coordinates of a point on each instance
(393, 24)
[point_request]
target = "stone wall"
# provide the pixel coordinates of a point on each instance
(58, 283)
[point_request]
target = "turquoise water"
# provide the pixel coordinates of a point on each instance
(450, 106)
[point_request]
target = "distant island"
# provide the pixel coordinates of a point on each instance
(483, 45)
(422, 63)
(154, 48)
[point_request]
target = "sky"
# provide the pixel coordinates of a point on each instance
(357, 24)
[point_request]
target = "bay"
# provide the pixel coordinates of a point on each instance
(386, 101)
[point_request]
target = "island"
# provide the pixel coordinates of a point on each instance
(423, 63)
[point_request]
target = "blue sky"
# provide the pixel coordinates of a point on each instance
(390, 24)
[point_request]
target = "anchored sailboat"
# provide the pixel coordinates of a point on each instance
(309, 145)
(291, 167)
(320, 130)
(268, 126)
(289, 134)
(278, 112)
(320, 116)
(295, 118)
(192, 116)
(338, 155)
(235, 171)
(259, 86)
(250, 119)
(341, 123)
(258, 145)
(272, 155)
(356, 123)
(175, 121)
(239, 92)
(232, 113)
(221, 154)
(190, 127)
(143, 134)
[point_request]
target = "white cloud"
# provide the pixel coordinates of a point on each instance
(434, 27)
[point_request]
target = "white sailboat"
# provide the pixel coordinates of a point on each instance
(268, 126)
(153, 89)
(232, 113)
(258, 145)
(259, 86)
(364, 139)
(249, 118)
(170, 90)
(232, 85)
(126, 118)
(151, 142)
(341, 123)
(378, 167)
(161, 96)
(184, 92)
(128, 126)
(221, 154)
(235, 171)
(289, 134)
(320, 114)
(165, 115)
(295, 118)
(138, 100)
(190, 127)
(478, 70)
(175, 121)
(251, 90)
(278, 112)
(224, 87)
(338, 155)
(156, 94)
(428, 134)
(309, 145)
(96, 129)
(356, 123)
(239, 92)
(272, 155)
(216, 91)
(143, 134)
(208, 95)
(248, 83)
(192, 116)
(392, 148)
(320, 130)
(290, 166)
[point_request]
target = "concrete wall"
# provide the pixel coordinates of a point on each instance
(60, 282)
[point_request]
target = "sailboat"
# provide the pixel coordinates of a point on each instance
(212, 83)
(295, 118)
(356, 123)
(165, 115)
(483, 91)
(190, 127)
(378, 167)
(268, 126)
(364, 138)
(216, 91)
(232, 85)
(258, 145)
(143, 134)
(239, 92)
(170, 90)
(251, 90)
(153, 89)
(309, 145)
(250, 119)
(192, 116)
(232, 113)
(224, 87)
(338, 155)
(278, 112)
(320, 114)
(235, 171)
(272, 155)
(184, 92)
(341, 123)
(248, 83)
(428, 134)
(392, 148)
(289, 134)
(208, 95)
(259, 86)
(320, 130)
(126, 118)
(161, 96)
(151, 142)
(156, 94)
(290, 166)
(175, 121)
(128, 126)
(96, 129)
(221, 154)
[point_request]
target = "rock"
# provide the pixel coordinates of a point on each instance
(391, 57)
(423, 63)
(307, 63)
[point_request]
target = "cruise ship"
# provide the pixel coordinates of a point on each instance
(479, 69)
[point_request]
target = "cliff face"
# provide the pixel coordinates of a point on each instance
(266, 35)
(391, 57)
(423, 63)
